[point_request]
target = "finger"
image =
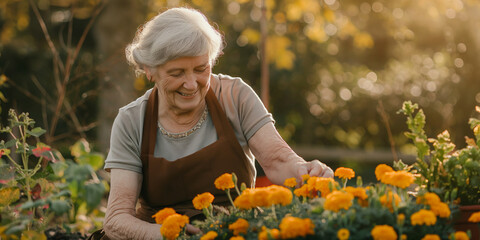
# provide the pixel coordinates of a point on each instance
(327, 171)
(301, 170)
(315, 168)
(192, 229)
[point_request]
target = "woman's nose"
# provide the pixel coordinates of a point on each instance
(190, 82)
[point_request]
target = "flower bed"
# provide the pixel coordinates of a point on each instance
(321, 208)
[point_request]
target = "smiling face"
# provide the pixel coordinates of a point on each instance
(183, 84)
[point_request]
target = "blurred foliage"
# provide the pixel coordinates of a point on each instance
(331, 62)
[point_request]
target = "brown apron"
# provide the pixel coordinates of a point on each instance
(175, 183)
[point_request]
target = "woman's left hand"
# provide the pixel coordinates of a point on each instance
(314, 168)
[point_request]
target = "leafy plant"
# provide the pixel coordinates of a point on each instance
(454, 174)
(39, 189)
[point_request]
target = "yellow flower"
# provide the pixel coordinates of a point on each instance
(239, 226)
(237, 238)
(381, 169)
(440, 209)
(323, 185)
(400, 218)
(260, 197)
(292, 227)
(301, 191)
(428, 198)
(360, 193)
(244, 201)
(203, 200)
(161, 215)
(404, 237)
(225, 181)
(422, 217)
(172, 226)
(384, 232)
(337, 200)
(211, 235)
(431, 237)
(388, 200)
(401, 179)
(461, 235)
(475, 217)
(305, 177)
(345, 173)
(290, 182)
(279, 195)
(267, 234)
(343, 234)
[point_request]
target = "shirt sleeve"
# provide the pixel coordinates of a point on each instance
(125, 143)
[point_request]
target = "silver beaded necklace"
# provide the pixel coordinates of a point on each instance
(188, 132)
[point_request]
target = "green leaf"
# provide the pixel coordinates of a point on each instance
(9, 195)
(59, 168)
(81, 147)
(73, 187)
(60, 206)
(37, 132)
(95, 160)
(33, 204)
(94, 194)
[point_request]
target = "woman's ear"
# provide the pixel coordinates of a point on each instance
(148, 74)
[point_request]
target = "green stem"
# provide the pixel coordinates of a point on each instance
(230, 197)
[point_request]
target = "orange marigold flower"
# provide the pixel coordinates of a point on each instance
(290, 182)
(301, 191)
(279, 195)
(431, 237)
(237, 238)
(292, 227)
(260, 197)
(440, 209)
(475, 217)
(239, 226)
(461, 235)
(389, 200)
(267, 234)
(305, 177)
(404, 237)
(343, 234)
(203, 200)
(225, 181)
(381, 169)
(161, 215)
(384, 232)
(360, 193)
(423, 217)
(325, 185)
(172, 226)
(400, 218)
(429, 198)
(338, 200)
(401, 179)
(345, 173)
(211, 235)
(244, 201)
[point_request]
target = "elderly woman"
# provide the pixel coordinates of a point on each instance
(172, 143)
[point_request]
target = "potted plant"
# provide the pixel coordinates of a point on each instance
(453, 174)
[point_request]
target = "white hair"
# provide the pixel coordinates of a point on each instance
(177, 32)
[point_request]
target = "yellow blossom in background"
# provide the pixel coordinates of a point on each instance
(381, 169)
(423, 217)
(461, 235)
(344, 173)
(428, 198)
(292, 227)
(252, 35)
(267, 234)
(363, 40)
(343, 234)
(290, 182)
(239, 226)
(401, 179)
(475, 217)
(9, 195)
(172, 226)
(359, 192)
(211, 235)
(338, 200)
(384, 232)
(279, 195)
(203, 200)
(389, 200)
(404, 237)
(440, 209)
(225, 181)
(431, 237)
(161, 215)
(301, 191)
(278, 52)
(400, 218)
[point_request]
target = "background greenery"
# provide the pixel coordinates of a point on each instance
(335, 66)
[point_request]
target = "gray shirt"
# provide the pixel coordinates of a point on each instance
(241, 104)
